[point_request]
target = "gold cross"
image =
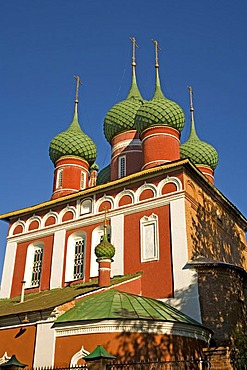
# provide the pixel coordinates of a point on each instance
(157, 47)
(78, 82)
(133, 40)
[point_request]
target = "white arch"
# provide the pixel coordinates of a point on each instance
(15, 224)
(31, 219)
(49, 214)
(151, 187)
(65, 210)
(86, 206)
(122, 194)
(105, 198)
(167, 180)
(77, 356)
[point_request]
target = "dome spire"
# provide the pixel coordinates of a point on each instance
(75, 124)
(158, 92)
(193, 134)
(134, 91)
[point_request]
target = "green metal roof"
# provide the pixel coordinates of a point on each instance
(74, 142)
(159, 111)
(13, 362)
(49, 299)
(98, 353)
(113, 304)
(199, 152)
(121, 117)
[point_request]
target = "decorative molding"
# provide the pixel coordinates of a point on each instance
(160, 134)
(77, 356)
(119, 196)
(168, 180)
(135, 326)
(98, 218)
(125, 144)
(143, 187)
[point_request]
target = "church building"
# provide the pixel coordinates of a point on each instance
(145, 257)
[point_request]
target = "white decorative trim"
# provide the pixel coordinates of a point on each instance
(125, 144)
(70, 256)
(160, 134)
(71, 165)
(86, 201)
(77, 356)
(147, 222)
(105, 198)
(32, 248)
(17, 223)
(167, 180)
(45, 218)
(4, 358)
(143, 187)
(135, 326)
(119, 196)
(144, 205)
(65, 210)
(125, 152)
(44, 345)
(31, 219)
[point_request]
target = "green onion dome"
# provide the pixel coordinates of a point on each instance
(104, 175)
(199, 152)
(121, 117)
(73, 142)
(159, 111)
(104, 249)
(94, 167)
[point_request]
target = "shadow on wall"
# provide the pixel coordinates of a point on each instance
(149, 346)
(219, 257)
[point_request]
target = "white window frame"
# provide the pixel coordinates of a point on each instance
(83, 180)
(121, 166)
(149, 238)
(70, 256)
(59, 183)
(30, 265)
(86, 206)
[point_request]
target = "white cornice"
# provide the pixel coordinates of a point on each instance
(97, 218)
(135, 326)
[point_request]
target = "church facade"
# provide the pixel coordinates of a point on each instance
(151, 225)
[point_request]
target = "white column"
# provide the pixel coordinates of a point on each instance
(44, 345)
(186, 297)
(8, 270)
(57, 259)
(117, 239)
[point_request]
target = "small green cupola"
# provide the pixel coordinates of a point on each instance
(159, 111)
(199, 152)
(73, 141)
(104, 250)
(121, 117)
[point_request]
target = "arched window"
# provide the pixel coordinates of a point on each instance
(121, 166)
(33, 268)
(75, 259)
(59, 178)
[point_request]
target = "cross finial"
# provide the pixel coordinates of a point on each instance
(105, 218)
(134, 46)
(78, 82)
(191, 98)
(157, 47)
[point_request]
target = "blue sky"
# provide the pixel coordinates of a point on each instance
(44, 43)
